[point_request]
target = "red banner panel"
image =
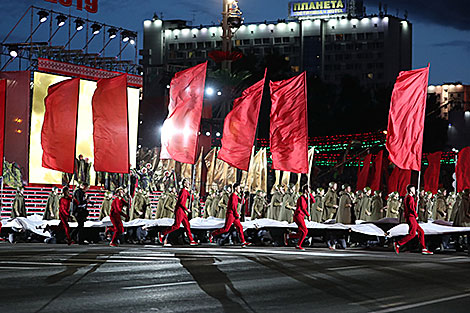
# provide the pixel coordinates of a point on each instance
(289, 128)
(462, 170)
(240, 127)
(59, 129)
(3, 102)
(110, 126)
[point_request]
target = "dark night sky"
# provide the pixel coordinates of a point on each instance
(441, 29)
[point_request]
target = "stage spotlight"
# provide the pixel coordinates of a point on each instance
(61, 20)
(79, 24)
(112, 33)
(43, 16)
(13, 51)
(96, 28)
(132, 39)
(217, 134)
(209, 91)
(125, 36)
(208, 134)
(219, 93)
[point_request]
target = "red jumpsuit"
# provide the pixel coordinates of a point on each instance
(180, 215)
(64, 215)
(231, 217)
(115, 216)
(299, 218)
(411, 216)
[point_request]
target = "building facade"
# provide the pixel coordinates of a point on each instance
(456, 95)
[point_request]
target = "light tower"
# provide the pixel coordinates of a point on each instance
(231, 18)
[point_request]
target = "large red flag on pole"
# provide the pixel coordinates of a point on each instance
(111, 126)
(462, 170)
(289, 128)
(406, 119)
(363, 173)
(3, 102)
(59, 129)
(431, 175)
(180, 130)
(240, 127)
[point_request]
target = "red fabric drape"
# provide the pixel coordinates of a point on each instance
(240, 127)
(59, 129)
(462, 170)
(406, 119)
(376, 183)
(3, 102)
(398, 181)
(110, 125)
(180, 130)
(289, 128)
(363, 173)
(431, 175)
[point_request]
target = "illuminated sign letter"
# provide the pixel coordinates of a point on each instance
(312, 6)
(319, 5)
(340, 5)
(304, 6)
(326, 5)
(297, 7)
(333, 4)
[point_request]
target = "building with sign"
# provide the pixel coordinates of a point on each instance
(455, 95)
(328, 39)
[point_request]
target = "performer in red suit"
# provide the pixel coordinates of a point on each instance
(411, 215)
(299, 218)
(232, 217)
(115, 215)
(180, 216)
(64, 213)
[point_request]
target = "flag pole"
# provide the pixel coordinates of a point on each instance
(246, 178)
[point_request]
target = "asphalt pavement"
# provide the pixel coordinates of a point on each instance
(207, 278)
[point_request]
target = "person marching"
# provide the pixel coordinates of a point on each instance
(115, 215)
(232, 217)
(411, 216)
(180, 216)
(299, 218)
(64, 213)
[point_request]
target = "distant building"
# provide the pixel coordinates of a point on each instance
(455, 94)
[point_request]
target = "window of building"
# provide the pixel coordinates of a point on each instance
(268, 50)
(257, 41)
(369, 35)
(172, 47)
(266, 41)
(277, 40)
(381, 35)
(295, 68)
(360, 36)
(246, 42)
(339, 57)
(339, 37)
(287, 49)
(348, 37)
(189, 45)
(181, 55)
(200, 45)
(208, 44)
(218, 43)
(256, 51)
(285, 39)
(329, 38)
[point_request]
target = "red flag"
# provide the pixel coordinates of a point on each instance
(363, 173)
(240, 127)
(59, 129)
(406, 119)
(376, 183)
(398, 181)
(462, 170)
(180, 130)
(431, 176)
(110, 125)
(289, 128)
(3, 102)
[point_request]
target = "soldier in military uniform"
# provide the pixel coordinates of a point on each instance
(393, 205)
(106, 205)
(331, 202)
(223, 202)
(52, 206)
(195, 206)
(318, 207)
(288, 205)
(215, 203)
(440, 205)
(259, 205)
(170, 203)
(366, 211)
(276, 203)
(450, 205)
(208, 204)
(423, 206)
(377, 206)
(358, 204)
(18, 208)
(138, 205)
(345, 206)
